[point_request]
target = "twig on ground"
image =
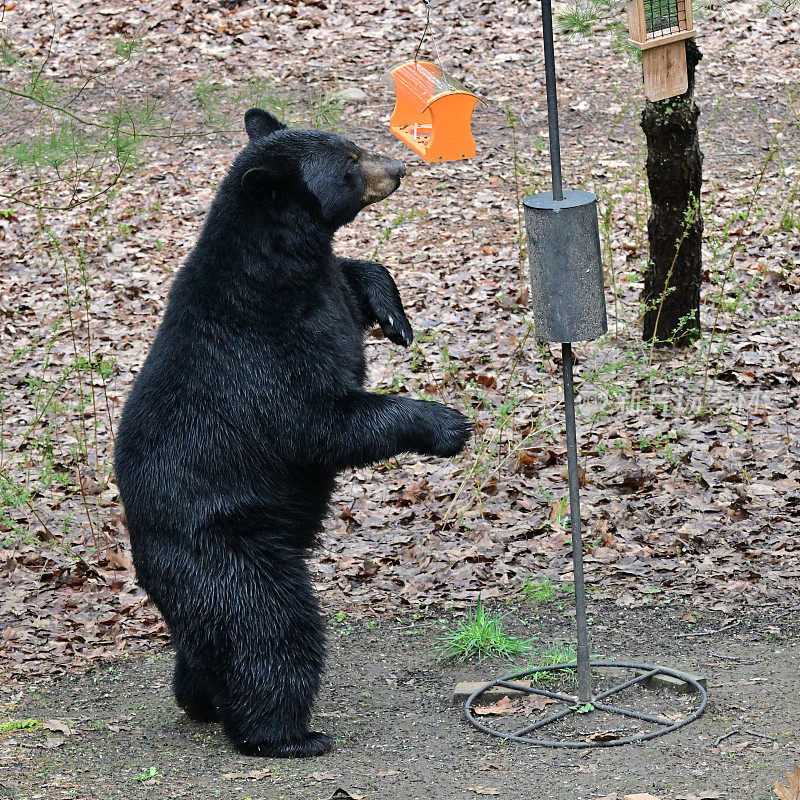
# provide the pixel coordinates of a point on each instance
(738, 661)
(744, 732)
(709, 633)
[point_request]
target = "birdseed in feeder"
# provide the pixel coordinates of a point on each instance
(664, 17)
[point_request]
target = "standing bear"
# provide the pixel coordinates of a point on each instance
(249, 403)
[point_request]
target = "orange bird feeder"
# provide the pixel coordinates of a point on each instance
(432, 112)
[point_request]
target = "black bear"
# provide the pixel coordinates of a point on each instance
(249, 403)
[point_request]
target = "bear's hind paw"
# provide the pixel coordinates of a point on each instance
(202, 713)
(312, 744)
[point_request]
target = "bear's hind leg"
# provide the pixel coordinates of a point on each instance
(273, 667)
(192, 686)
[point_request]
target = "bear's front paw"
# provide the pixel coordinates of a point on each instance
(311, 744)
(448, 430)
(396, 327)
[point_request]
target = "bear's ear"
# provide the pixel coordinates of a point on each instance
(259, 123)
(259, 183)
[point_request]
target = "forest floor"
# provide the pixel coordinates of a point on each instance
(690, 458)
(116, 733)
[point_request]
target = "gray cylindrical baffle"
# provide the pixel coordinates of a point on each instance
(567, 299)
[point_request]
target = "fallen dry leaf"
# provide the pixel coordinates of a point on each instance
(483, 790)
(639, 797)
(535, 703)
(502, 706)
(57, 727)
(254, 775)
(606, 736)
(56, 741)
(792, 790)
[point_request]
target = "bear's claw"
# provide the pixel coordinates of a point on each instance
(397, 330)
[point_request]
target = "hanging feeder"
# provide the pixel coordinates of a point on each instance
(432, 112)
(658, 28)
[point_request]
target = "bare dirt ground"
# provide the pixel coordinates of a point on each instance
(691, 458)
(387, 703)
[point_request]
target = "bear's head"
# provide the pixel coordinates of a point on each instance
(328, 175)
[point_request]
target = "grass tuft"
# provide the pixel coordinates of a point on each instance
(481, 636)
(556, 653)
(544, 590)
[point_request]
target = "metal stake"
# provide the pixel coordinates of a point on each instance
(582, 656)
(552, 99)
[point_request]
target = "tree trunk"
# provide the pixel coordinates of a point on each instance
(675, 174)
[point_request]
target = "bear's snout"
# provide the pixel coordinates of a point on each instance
(398, 168)
(382, 176)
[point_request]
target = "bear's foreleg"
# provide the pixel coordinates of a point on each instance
(363, 428)
(275, 652)
(378, 298)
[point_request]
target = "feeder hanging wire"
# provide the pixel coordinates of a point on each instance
(433, 36)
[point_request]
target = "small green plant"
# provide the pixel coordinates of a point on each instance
(340, 618)
(147, 775)
(19, 725)
(390, 227)
(788, 221)
(511, 118)
(482, 636)
(577, 19)
(561, 514)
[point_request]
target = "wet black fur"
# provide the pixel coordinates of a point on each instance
(249, 403)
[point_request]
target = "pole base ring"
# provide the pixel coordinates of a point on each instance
(645, 673)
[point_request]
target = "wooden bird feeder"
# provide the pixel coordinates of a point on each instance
(432, 112)
(658, 28)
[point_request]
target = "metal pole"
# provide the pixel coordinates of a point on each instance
(582, 655)
(584, 671)
(552, 98)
